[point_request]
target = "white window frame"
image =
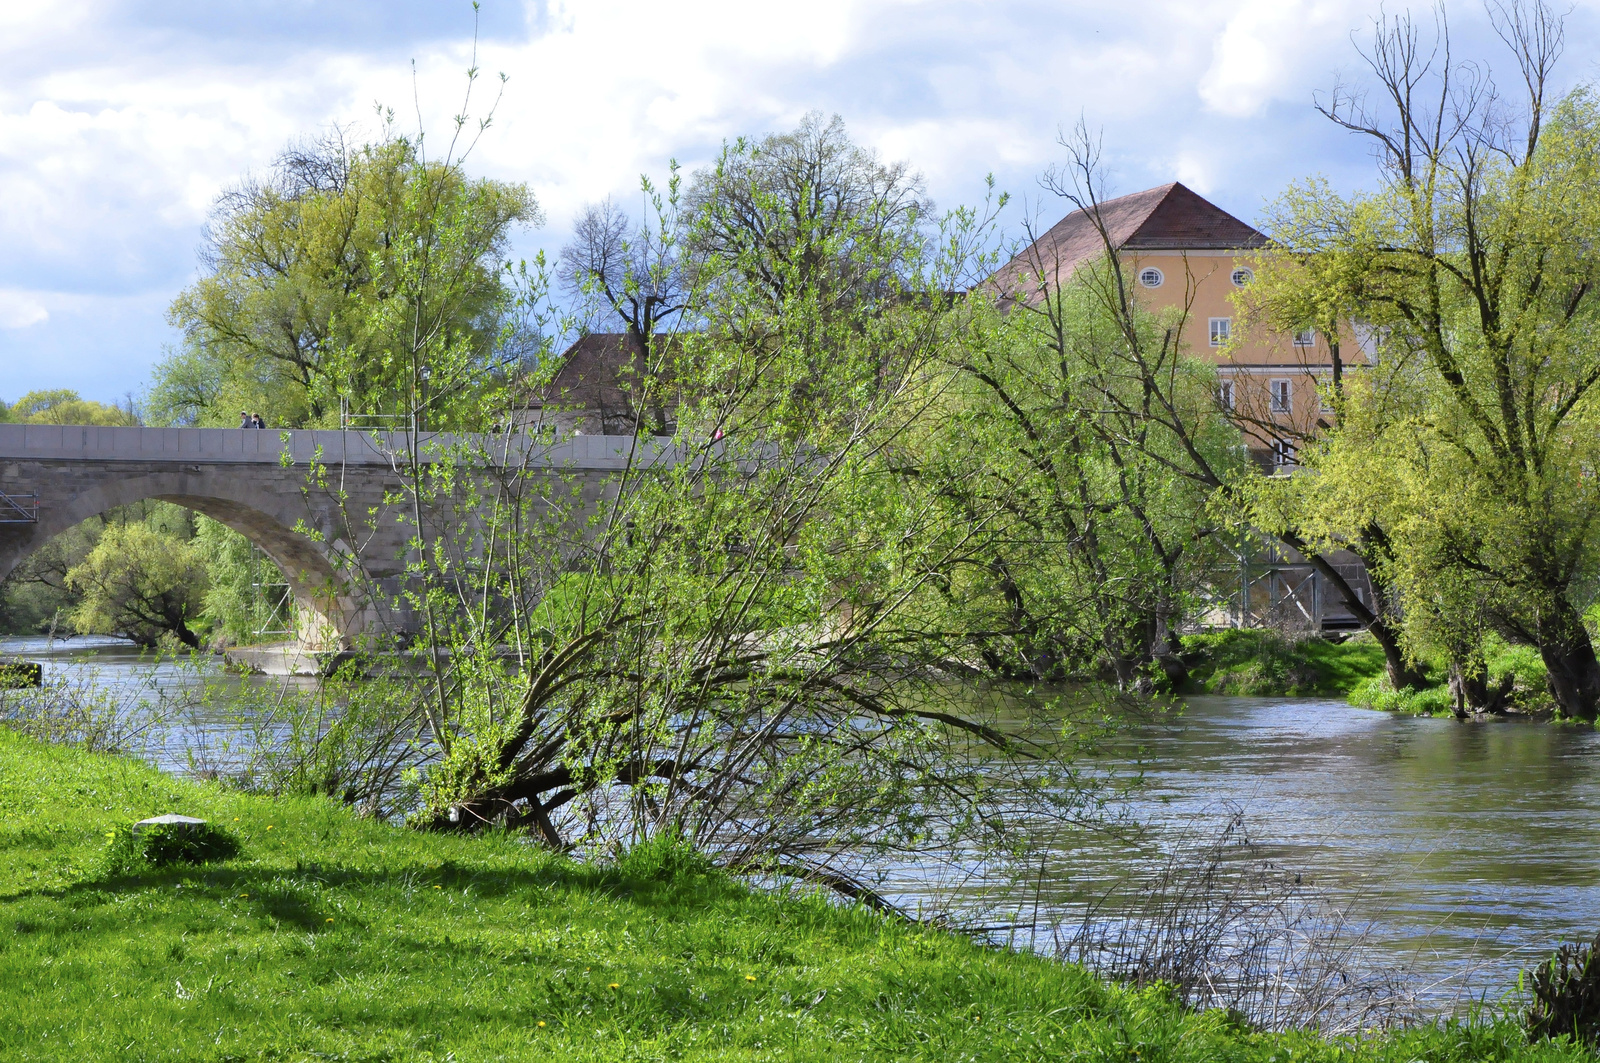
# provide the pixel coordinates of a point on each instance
(1225, 394)
(1161, 278)
(1283, 454)
(1306, 337)
(1221, 331)
(1286, 405)
(1245, 271)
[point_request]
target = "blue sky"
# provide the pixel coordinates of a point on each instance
(121, 121)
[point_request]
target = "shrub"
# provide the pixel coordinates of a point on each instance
(1376, 693)
(1566, 994)
(131, 852)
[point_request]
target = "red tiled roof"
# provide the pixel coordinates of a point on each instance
(1168, 218)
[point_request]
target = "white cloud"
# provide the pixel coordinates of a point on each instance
(1275, 49)
(19, 310)
(120, 121)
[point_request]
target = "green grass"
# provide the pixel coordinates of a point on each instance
(1262, 663)
(330, 938)
(1523, 663)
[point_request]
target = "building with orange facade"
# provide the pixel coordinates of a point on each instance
(1185, 255)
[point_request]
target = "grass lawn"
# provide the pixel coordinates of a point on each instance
(330, 938)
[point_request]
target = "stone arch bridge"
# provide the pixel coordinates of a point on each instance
(257, 482)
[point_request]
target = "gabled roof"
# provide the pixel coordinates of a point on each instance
(1168, 218)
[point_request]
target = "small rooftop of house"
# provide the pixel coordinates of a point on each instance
(1168, 218)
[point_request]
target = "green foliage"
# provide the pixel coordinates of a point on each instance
(1464, 457)
(1377, 693)
(372, 276)
(140, 583)
(64, 406)
(245, 592)
(1566, 994)
(130, 852)
(386, 943)
(1255, 662)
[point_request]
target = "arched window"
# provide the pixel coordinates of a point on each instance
(1151, 277)
(1242, 276)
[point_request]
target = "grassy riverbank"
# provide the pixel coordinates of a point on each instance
(1261, 663)
(333, 938)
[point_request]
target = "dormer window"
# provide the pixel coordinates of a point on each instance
(1151, 277)
(1242, 277)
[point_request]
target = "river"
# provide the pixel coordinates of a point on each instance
(1472, 848)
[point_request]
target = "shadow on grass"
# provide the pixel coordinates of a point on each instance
(287, 895)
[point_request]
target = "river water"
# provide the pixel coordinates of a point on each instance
(1471, 848)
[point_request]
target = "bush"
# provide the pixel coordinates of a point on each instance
(664, 857)
(132, 853)
(1566, 994)
(1376, 693)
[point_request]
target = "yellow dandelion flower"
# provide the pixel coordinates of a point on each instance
(269, 826)
(616, 985)
(330, 920)
(749, 978)
(541, 1022)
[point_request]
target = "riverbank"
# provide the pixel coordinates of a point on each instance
(1263, 663)
(333, 937)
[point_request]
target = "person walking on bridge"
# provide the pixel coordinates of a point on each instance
(244, 420)
(256, 421)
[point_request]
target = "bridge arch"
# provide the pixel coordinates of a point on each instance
(333, 613)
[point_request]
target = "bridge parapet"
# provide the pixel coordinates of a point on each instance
(302, 446)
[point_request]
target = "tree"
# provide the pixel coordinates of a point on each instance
(1471, 260)
(325, 279)
(65, 406)
(1054, 417)
(141, 584)
(637, 275)
(808, 211)
(736, 637)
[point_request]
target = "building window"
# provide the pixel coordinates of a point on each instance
(1151, 277)
(1282, 454)
(1225, 394)
(1281, 396)
(1242, 276)
(1221, 331)
(1306, 337)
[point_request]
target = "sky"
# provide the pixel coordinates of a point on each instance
(122, 120)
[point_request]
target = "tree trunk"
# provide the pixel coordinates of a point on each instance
(1574, 674)
(1402, 676)
(1470, 689)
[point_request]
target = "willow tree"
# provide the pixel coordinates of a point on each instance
(326, 280)
(1474, 439)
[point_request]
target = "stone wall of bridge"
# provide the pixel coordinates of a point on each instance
(344, 571)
